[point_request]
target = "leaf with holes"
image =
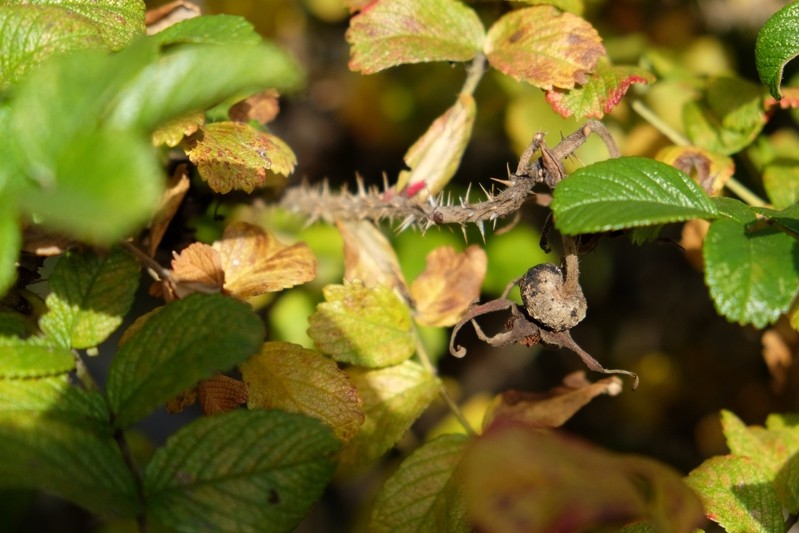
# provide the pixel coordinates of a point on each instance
(751, 273)
(393, 398)
(90, 295)
(544, 47)
(232, 155)
(600, 94)
(627, 192)
(386, 34)
(186, 341)
(365, 326)
(240, 471)
(777, 44)
(425, 493)
(298, 380)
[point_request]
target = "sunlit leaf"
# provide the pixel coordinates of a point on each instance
(544, 47)
(515, 474)
(10, 242)
(389, 33)
(172, 132)
(627, 192)
(31, 358)
(752, 274)
(600, 93)
(572, 6)
(241, 471)
(56, 397)
(451, 281)
(550, 409)
(209, 29)
(297, 380)
(369, 257)
(737, 495)
(710, 170)
(220, 394)
(186, 341)
(393, 398)
(424, 494)
(777, 44)
(781, 181)
(255, 262)
(435, 156)
(90, 295)
(232, 155)
(198, 268)
(728, 118)
(362, 326)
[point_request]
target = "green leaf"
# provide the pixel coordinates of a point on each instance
(544, 47)
(751, 273)
(209, 29)
(90, 295)
(30, 359)
(737, 495)
(365, 326)
(424, 494)
(57, 437)
(297, 380)
(242, 471)
(393, 398)
(728, 118)
(232, 155)
(184, 342)
(179, 82)
(30, 34)
(386, 34)
(781, 181)
(10, 242)
(777, 44)
(627, 192)
(600, 94)
(118, 21)
(786, 219)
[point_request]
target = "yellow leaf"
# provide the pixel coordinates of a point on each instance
(298, 380)
(449, 283)
(255, 262)
(369, 257)
(172, 132)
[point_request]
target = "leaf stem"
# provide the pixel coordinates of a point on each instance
(122, 443)
(84, 376)
(742, 192)
(659, 124)
(474, 74)
(442, 390)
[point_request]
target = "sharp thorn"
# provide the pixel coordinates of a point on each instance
(506, 183)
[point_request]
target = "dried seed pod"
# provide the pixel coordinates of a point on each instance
(549, 300)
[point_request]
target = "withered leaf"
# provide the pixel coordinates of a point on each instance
(550, 409)
(221, 394)
(262, 107)
(172, 132)
(368, 256)
(181, 401)
(255, 262)
(449, 283)
(710, 170)
(173, 195)
(232, 155)
(198, 268)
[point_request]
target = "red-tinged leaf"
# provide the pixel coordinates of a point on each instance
(600, 94)
(262, 107)
(789, 100)
(390, 32)
(232, 155)
(544, 47)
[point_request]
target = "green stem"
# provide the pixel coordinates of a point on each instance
(83, 374)
(474, 74)
(442, 390)
(739, 190)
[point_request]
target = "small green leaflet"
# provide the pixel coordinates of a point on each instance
(627, 192)
(365, 326)
(90, 295)
(777, 44)
(751, 272)
(10, 242)
(209, 29)
(424, 495)
(32, 358)
(244, 471)
(386, 34)
(184, 342)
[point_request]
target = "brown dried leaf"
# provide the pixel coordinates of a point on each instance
(449, 283)
(221, 394)
(369, 257)
(181, 401)
(198, 268)
(168, 14)
(255, 262)
(232, 155)
(262, 107)
(551, 409)
(42, 242)
(778, 355)
(176, 189)
(710, 170)
(173, 131)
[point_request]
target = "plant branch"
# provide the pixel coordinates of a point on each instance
(122, 443)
